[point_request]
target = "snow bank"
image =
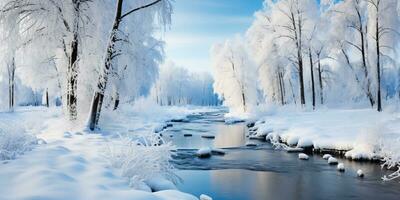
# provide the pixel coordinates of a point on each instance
(359, 132)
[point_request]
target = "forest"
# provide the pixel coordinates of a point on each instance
(199, 99)
(313, 55)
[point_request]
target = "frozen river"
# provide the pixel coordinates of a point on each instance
(261, 172)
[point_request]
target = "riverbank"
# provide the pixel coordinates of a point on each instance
(357, 134)
(65, 162)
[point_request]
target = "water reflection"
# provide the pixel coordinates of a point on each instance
(255, 185)
(226, 136)
(229, 136)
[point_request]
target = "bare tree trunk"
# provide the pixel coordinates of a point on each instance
(47, 98)
(281, 87)
(292, 89)
(378, 59)
(116, 102)
(312, 78)
(321, 88)
(11, 84)
(298, 40)
(243, 100)
(364, 57)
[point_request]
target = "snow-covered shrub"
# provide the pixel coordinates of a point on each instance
(142, 159)
(390, 151)
(13, 144)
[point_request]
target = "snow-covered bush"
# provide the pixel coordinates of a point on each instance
(13, 144)
(142, 159)
(390, 150)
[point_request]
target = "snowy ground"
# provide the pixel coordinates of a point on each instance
(362, 133)
(74, 164)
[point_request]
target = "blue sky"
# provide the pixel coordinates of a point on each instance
(198, 24)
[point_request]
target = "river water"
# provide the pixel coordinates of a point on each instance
(261, 172)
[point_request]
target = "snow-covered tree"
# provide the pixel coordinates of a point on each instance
(154, 12)
(234, 74)
(178, 86)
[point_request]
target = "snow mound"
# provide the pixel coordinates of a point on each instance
(360, 173)
(13, 144)
(204, 152)
(292, 140)
(340, 167)
(159, 183)
(205, 197)
(326, 156)
(303, 156)
(332, 161)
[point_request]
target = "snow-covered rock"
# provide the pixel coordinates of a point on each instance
(158, 184)
(204, 152)
(292, 140)
(303, 156)
(326, 156)
(340, 167)
(360, 173)
(205, 197)
(332, 161)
